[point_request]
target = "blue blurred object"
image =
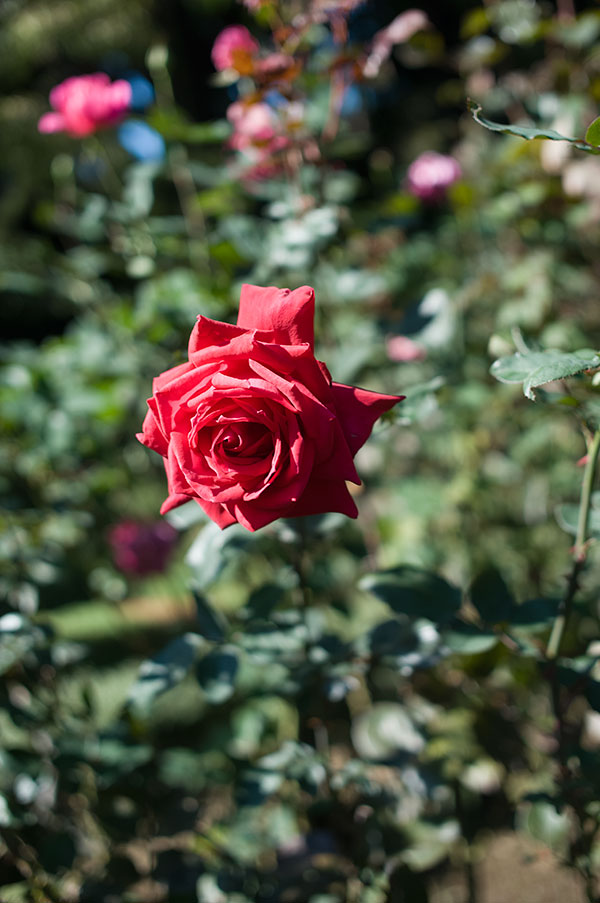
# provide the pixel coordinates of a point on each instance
(142, 92)
(353, 101)
(141, 141)
(275, 99)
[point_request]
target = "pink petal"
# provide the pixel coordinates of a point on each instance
(291, 314)
(51, 122)
(358, 409)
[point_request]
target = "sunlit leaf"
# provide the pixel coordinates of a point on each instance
(528, 132)
(538, 368)
(592, 136)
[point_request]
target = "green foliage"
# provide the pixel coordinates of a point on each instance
(530, 132)
(411, 591)
(538, 368)
(325, 710)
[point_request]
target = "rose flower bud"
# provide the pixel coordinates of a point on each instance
(85, 103)
(234, 48)
(431, 174)
(251, 426)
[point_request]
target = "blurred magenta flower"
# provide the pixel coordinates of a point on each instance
(85, 103)
(234, 48)
(402, 349)
(142, 548)
(431, 174)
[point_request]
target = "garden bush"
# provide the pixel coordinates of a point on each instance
(356, 658)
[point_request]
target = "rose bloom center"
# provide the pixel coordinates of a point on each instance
(248, 440)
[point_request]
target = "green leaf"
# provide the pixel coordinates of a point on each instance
(466, 639)
(491, 597)
(542, 820)
(17, 893)
(420, 402)
(210, 623)
(528, 132)
(18, 638)
(412, 591)
(540, 367)
(568, 515)
(385, 730)
(517, 367)
(429, 843)
(560, 366)
(534, 615)
(394, 637)
(163, 672)
(213, 549)
(216, 674)
(579, 675)
(592, 136)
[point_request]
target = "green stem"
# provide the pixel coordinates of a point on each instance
(579, 550)
(470, 876)
(178, 160)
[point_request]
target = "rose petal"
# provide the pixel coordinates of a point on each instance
(173, 501)
(288, 313)
(358, 409)
(152, 436)
(218, 513)
(207, 333)
(322, 496)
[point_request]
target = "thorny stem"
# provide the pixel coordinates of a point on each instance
(579, 550)
(556, 638)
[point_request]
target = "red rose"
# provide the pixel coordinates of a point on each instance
(252, 427)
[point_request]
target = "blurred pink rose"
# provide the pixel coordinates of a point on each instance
(400, 30)
(276, 65)
(85, 103)
(258, 135)
(254, 124)
(233, 48)
(140, 548)
(401, 348)
(431, 174)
